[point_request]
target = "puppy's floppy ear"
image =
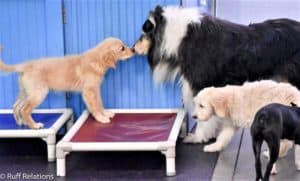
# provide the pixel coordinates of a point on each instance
(220, 106)
(100, 63)
(109, 59)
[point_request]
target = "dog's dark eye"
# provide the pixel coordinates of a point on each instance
(201, 106)
(122, 48)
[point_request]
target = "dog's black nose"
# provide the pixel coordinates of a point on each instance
(194, 117)
(133, 50)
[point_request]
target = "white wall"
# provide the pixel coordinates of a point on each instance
(251, 11)
(203, 5)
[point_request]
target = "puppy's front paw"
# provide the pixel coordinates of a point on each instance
(297, 165)
(102, 119)
(37, 126)
(212, 148)
(274, 170)
(192, 138)
(189, 139)
(108, 113)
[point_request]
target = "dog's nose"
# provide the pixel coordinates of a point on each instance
(133, 50)
(194, 117)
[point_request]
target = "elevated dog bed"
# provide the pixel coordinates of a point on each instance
(130, 130)
(52, 119)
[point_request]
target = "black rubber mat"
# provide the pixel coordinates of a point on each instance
(29, 156)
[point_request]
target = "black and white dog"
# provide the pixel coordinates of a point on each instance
(206, 51)
(272, 123)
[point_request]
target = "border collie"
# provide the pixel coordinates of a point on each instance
(205, 51)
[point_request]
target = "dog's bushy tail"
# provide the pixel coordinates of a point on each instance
(9, 68)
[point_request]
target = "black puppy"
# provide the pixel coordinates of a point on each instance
(272, 123)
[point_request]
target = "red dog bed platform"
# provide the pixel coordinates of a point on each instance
(129, 130)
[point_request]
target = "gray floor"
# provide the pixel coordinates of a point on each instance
(29, 156)
(236, 162)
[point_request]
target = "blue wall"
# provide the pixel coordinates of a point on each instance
(29, 29)
(32, 29)
(130, 85)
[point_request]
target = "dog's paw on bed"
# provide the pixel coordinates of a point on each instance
(37, 126)
(102, 118)
(192, 138)
(108, 113)
(212, 148)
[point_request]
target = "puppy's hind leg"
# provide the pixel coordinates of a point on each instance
(19, 104)
(223, 138)
(297, 149)
(34, 98)
(297, 156)
(285, 146)
(91, 96)
(17, 110)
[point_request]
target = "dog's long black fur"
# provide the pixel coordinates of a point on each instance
(216, 52)
(272, 123)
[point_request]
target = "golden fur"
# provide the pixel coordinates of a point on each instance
(82, 73)
(237, 105)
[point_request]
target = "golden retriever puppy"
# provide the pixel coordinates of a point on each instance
(83, 73)
(237, 105)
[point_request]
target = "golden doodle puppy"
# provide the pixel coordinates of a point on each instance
(237, 106)
(83, 73)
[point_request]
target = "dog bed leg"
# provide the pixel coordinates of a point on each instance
(170, 161)
(60, 162)
(51, 152)
(70, 123)
(184, 127)
(51, 139)
(61, 167)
